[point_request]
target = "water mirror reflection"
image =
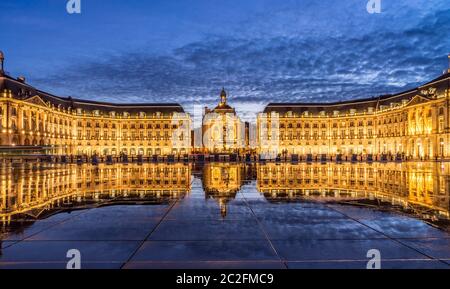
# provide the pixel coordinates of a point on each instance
(225, 215)
(34, 191)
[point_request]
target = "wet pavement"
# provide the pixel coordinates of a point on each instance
(244, 229)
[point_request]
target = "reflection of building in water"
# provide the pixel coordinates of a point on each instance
(222, 129)
(34, 192)
(222, 181)
(424, 184)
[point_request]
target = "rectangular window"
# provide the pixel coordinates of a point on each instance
(441, 124)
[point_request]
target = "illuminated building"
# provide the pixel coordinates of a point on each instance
(222, 130)
(414, 124)
(67, 126)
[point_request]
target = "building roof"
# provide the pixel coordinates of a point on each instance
(439, 85)
(21, 90)
(223, 106)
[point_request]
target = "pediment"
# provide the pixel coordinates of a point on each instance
(36, 100)
(417, 99)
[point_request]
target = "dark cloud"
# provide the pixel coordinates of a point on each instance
(265, 69)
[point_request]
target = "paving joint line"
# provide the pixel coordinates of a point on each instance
(389, 237)
(149, 234)
(265, 233)
(14, 242)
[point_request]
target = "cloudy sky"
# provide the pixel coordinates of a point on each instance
(261, 51)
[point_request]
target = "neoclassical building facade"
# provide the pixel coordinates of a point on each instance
(413, 124)
(222, 129)
(33, 118)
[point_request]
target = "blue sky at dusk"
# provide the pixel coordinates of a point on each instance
(261, 50)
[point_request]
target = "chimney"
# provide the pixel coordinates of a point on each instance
(448, 70)
(2, 60)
